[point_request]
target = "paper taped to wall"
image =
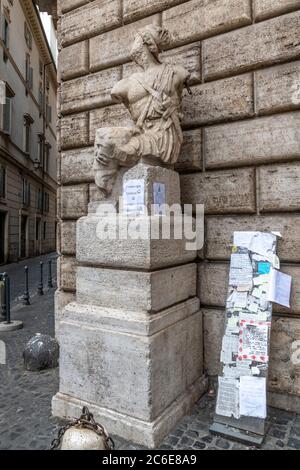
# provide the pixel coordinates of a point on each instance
(240, 270)
(280, 288)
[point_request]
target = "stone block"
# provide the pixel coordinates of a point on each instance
(68, 237)
(264, 9)
(196, 19)
(188, 57)
(221, 192)
(95, 193)
(263, 140)
(91, 91)
(213, 282)
(95, 246)
(191, 152)
(74, 60)
(141, 291)
(77, 166)
(222, 100)
(219, 234)
(61, 299)
(74, 201)
(67, 5)
(146, 374)
(284, 402)
(284, 368)
(278, 88)
(113, 48)
(213, 286)
(213, 330)
(111, 116)
(74, 131)
(279, 188)
(151, 174)
(254, 46)
(91, 19)
(135, 9)
(67, 273)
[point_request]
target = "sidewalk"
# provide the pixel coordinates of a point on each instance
(25, 400)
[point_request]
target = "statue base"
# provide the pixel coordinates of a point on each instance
(131, 346)
(139, 374)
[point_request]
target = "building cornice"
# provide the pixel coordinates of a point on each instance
(33, 18)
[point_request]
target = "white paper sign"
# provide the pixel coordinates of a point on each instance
(159, 198)
(241, 272)
(253, 397)
(263, 244)
(254, 339)
(133, 197)
(243, 239)
(228, 397)
(230, 346)
(280, 288)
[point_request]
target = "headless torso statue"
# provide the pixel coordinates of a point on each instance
(153, 98)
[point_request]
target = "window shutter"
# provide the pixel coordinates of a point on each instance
(2, 181)
(49, 113)
(30, 81)
(7, 107)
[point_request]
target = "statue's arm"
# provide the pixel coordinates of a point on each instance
(119, 92)
(182, 77)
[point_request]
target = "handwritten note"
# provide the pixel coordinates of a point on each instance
(240, 270)
(253, 399)
(133, 197)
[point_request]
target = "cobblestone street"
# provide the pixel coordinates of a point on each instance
(25, 397)
(17, 277)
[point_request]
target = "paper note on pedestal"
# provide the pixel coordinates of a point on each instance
(159, 198)
(228, 398)
(280, 288)
(133, 197)
(253, 400)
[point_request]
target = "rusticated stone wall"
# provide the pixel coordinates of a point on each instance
(241, 155)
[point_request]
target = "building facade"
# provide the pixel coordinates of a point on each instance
(241, 153)
(28, 148)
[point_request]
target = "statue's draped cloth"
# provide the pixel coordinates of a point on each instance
(158, 127)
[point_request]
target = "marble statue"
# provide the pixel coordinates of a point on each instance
(153, 98)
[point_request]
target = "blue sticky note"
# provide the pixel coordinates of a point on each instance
(263, 267)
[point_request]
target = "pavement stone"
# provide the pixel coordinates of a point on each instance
(25, 397)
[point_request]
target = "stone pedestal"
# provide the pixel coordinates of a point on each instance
(131, 345)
